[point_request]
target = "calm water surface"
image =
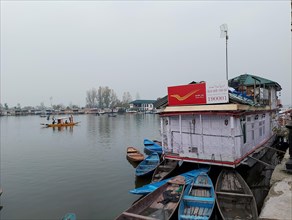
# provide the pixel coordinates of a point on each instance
(48, 172)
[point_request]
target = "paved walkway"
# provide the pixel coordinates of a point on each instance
(278, 203)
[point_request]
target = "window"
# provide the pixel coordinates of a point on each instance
(244, 133)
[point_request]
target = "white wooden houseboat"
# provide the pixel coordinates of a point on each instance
(220, 123)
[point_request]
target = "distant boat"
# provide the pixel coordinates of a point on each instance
(61, 125)
(147, 166)
(151, 146)
(198, 199)
(61, 122)
(165, 168)
(233, 196)
(148, 188)
(160, 204)
(69, 216)
(134, 155)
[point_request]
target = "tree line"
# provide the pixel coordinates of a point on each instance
(104, 97)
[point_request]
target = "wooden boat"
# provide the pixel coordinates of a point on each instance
(198, 199)
(148, 188)
(233, 196)
(147, 166)
(164, 170)
(61, 122)
(160, 204)
(134, 155)
(151, 146)
(61, 125)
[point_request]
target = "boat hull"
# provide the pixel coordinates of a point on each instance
(147, 166)
(151, 147)
(198, 199)
(134, 155)
(233, 197)
(165, 168)
(61, 125)
(160, 204)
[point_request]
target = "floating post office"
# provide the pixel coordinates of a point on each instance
(219, 123)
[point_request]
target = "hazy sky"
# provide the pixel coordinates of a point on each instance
(57, 50)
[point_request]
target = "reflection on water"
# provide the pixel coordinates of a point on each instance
(85, 171)
(133, 163)
(64, 128)
(62, 171)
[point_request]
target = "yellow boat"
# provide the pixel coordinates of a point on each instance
(62, 122)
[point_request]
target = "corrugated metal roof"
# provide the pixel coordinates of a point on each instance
(249, 80)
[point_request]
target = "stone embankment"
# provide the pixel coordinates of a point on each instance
(278, 203)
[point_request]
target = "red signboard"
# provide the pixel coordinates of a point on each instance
(187, 94)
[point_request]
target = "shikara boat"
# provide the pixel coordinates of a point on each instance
(164, 170)
(61, 122)
(160, 204)
(198, 199)
(148, 188)
(147, 166)
(151, 146)
(233, 196)
(61, 125)
(134, 154)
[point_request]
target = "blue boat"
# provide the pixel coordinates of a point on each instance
(69, 216)
(152, 146)
(198, 199)
(147, 166)
(144, 190)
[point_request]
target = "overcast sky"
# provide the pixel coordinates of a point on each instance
(55, 51)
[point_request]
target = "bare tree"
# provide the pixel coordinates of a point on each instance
(113, 99)
(100, 97)
(106, 97)
(127, 98)
(91, 98)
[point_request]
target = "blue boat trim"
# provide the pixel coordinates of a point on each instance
(198, 200)
(148, 165)
(148, 188)
(151, 146)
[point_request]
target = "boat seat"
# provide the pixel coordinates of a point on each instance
(234, 194)
(199, 199)
(151, 159)
(193, 217)
(149, 165)
(202, 185)
(138, 216)
(165, 167)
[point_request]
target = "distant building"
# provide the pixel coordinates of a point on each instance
(142, 105)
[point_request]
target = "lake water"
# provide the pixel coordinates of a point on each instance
(48, 172)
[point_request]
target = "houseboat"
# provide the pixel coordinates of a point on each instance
(219, 123)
